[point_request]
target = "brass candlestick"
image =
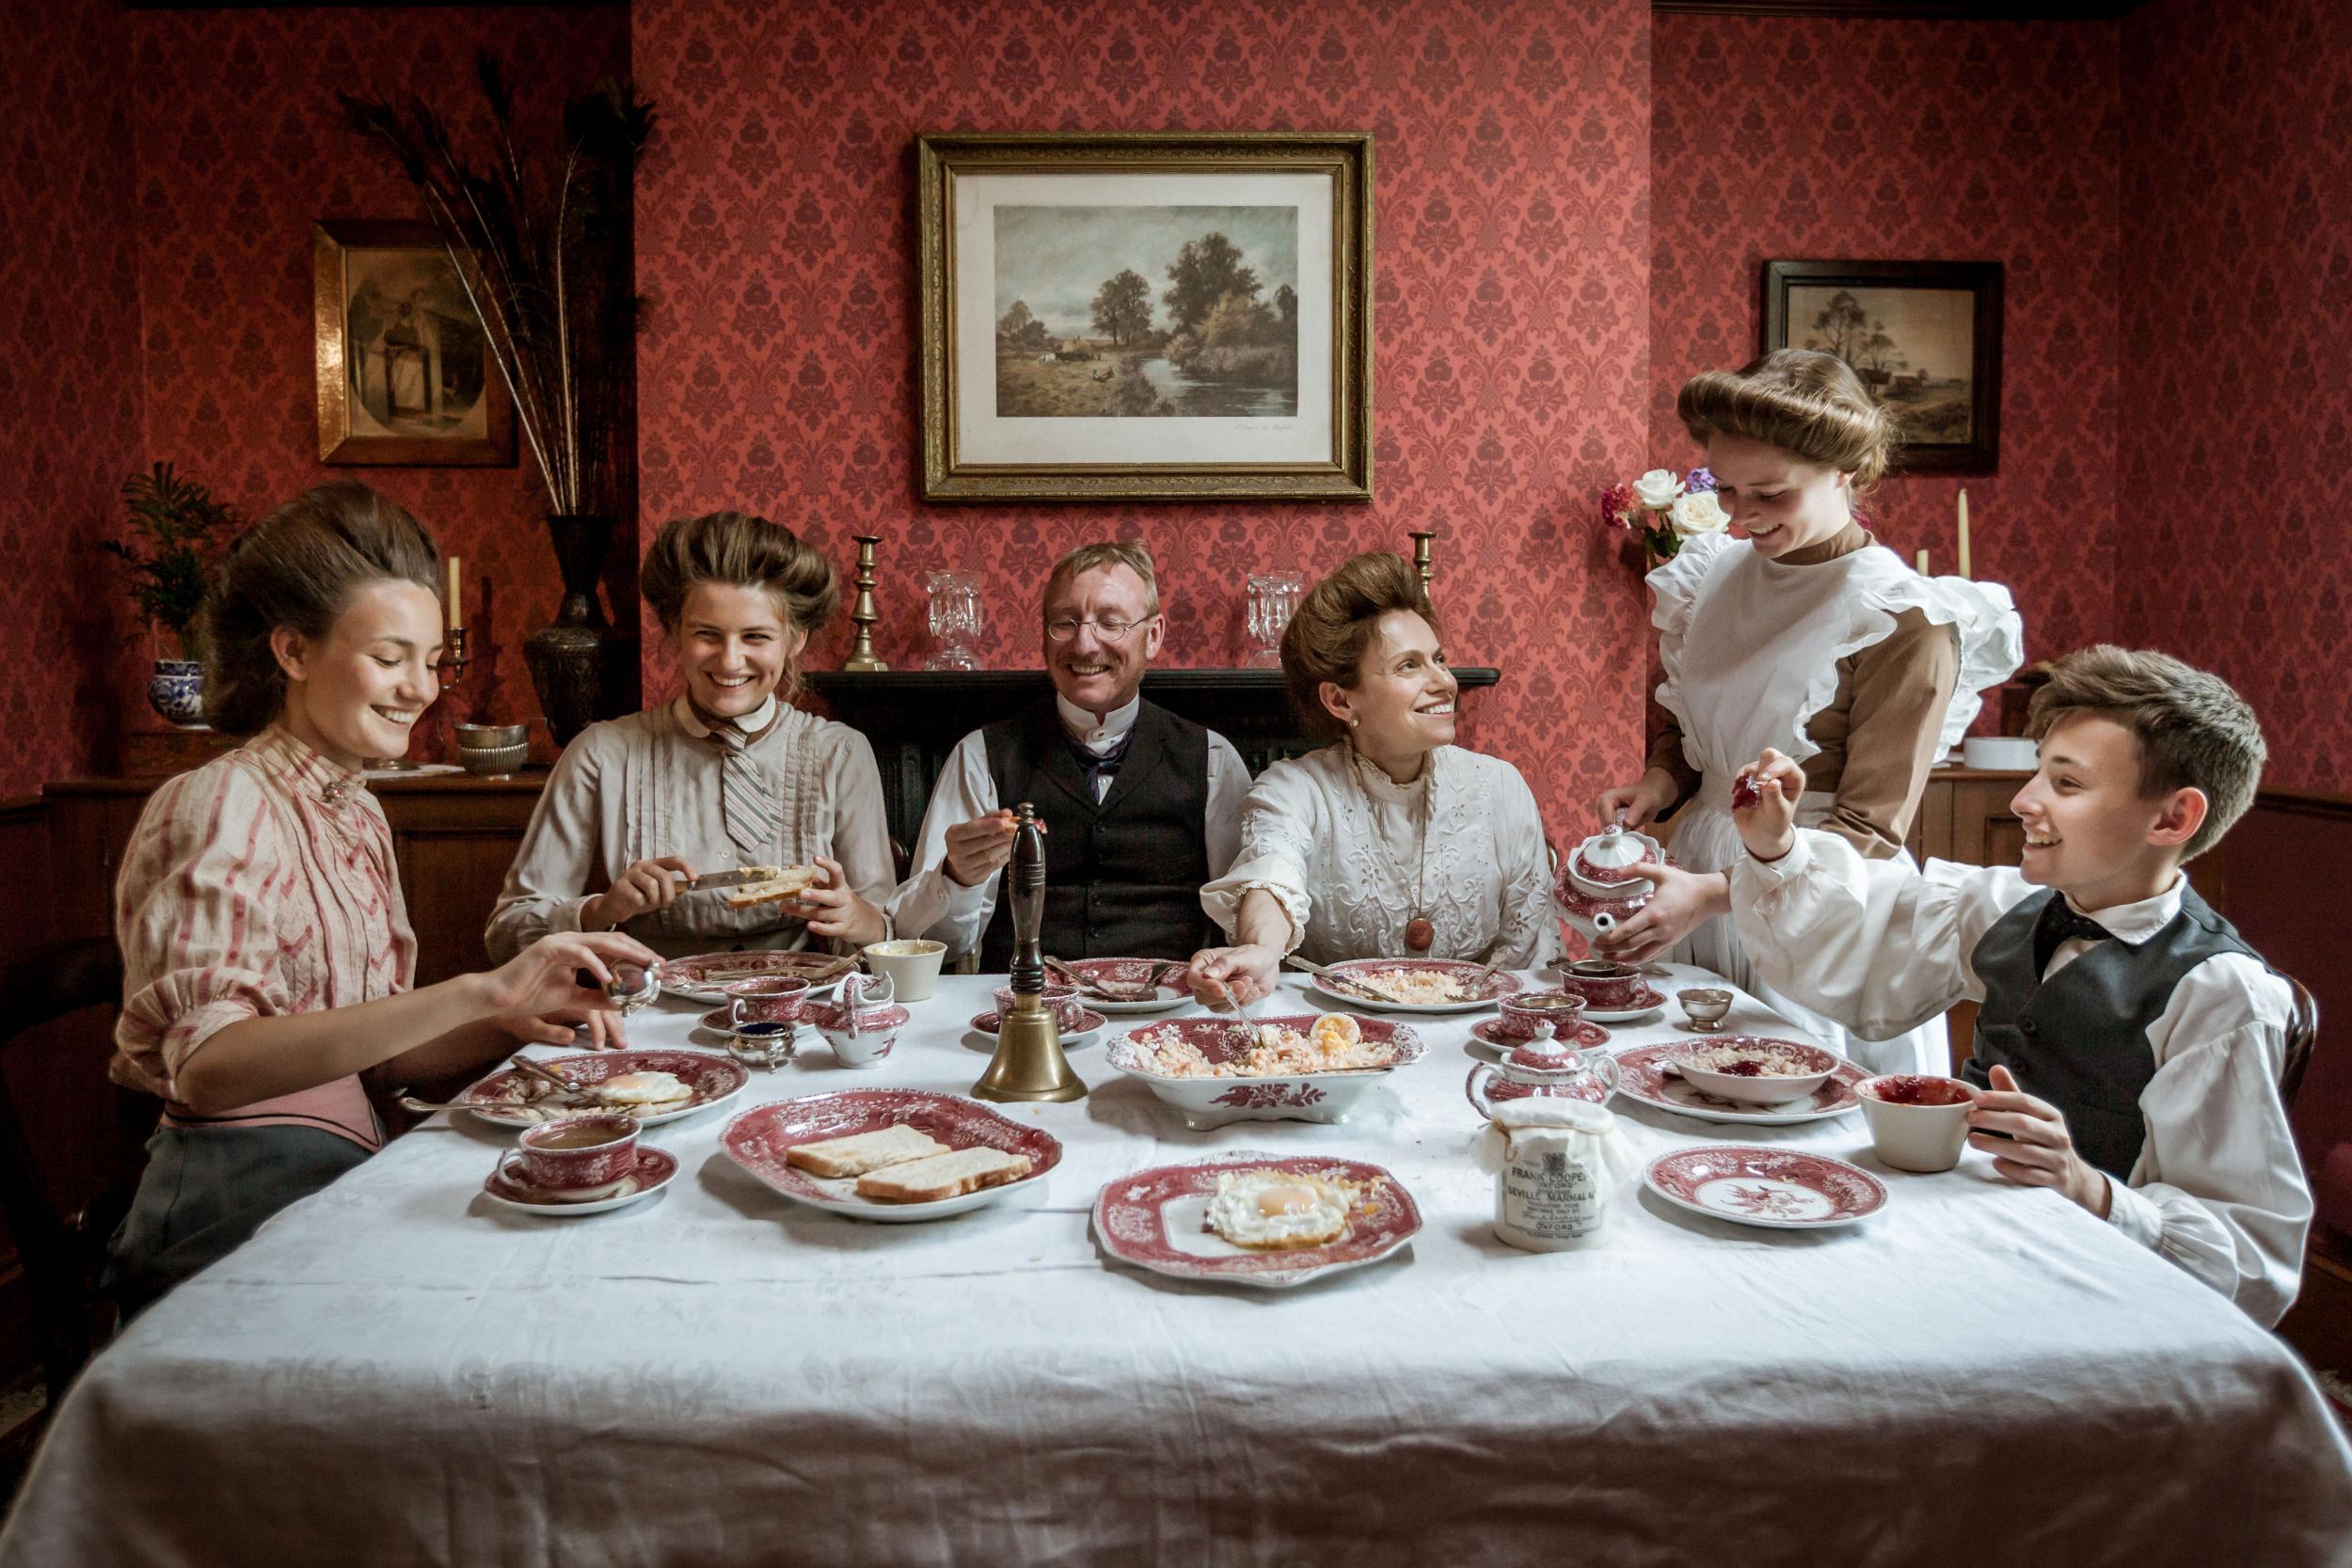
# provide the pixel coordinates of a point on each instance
(454, 656)
(863, 613)
(1421, 565)
(1028, 1063)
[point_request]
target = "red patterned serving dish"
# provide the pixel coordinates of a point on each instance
(1500, 984)
(511, 1098)
(1153, 1219)
(704, 977)
(1780, 1189)
(756, 1141)
(1642, 1077)
(1300, 1095)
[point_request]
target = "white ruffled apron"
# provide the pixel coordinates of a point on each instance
(1750, 649)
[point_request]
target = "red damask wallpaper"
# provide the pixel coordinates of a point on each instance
(776, 235)
(2237, 329)
(1785, 137)
(238, 151)
(68, 377)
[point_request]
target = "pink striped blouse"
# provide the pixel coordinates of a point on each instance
(258, 885)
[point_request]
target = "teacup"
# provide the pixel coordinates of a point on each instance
(577, 1159)
(1060, 999)
(1610, 986)
(1918, 1122)
(770, 999)
(911, 964)
(1539, 1014)
(860, 1037)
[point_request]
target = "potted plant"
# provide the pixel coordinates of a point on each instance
(541, 238)
(168, 563)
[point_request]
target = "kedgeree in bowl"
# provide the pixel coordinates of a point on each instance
(1752, 1069)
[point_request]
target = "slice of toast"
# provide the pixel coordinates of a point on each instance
(791, 882)
(862, 1151)
(966, 1170)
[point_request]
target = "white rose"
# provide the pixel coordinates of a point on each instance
(1657, 489)
(1699, 514)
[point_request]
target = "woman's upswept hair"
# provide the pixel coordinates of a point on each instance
(1809, 403)
(739, 550)
(1333, 625)
(298, 568)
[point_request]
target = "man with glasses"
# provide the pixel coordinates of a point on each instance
(1142, 807)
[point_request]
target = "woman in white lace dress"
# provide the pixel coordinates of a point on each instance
(1394, 842)
(1809, 637)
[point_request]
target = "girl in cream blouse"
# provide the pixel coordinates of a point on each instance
(730, 774)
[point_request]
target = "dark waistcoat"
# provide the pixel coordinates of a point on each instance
(1122, 878)
(2079, 1039)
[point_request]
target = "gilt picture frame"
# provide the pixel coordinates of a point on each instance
(1145, 315)
(406, 377)
(1924, 336)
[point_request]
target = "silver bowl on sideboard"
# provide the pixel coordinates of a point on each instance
(493, 751)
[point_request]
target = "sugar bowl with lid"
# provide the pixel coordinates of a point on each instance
(1600, 884)
(1541, 1068)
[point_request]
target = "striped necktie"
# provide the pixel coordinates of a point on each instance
(745, 800)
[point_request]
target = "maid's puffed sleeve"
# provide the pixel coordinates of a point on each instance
(1278, 827)
(199, 952)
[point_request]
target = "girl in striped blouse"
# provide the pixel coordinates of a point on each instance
(267, 955)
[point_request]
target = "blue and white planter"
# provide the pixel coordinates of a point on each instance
(175, 691)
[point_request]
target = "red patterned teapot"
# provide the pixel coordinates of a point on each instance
(1599, 887)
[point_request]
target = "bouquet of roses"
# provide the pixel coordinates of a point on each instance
(1664, 509)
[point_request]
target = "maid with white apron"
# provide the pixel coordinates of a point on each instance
(1809, 637)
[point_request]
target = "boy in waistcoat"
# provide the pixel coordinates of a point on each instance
(2129, 1042)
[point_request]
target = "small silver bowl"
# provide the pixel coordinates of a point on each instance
(1704, 1008)
(493, 761)
(491, 738)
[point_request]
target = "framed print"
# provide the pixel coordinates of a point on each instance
(1924, 336)
(404, 372)
(1146, 315)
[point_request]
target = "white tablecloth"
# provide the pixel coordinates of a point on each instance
(396, 1371)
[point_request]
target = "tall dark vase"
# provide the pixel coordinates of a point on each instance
(573, 661)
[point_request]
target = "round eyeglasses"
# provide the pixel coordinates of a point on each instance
(1109, 631)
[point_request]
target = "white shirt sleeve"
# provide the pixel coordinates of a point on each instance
(1228, 794)
(2219, 1187)
(931, 903)
(1279, 824)
(545, 887)
(1872, 945)
(1531, 921)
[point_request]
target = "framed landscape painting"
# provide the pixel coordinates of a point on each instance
(1146, 316)
(404, 373)
(1924, 336)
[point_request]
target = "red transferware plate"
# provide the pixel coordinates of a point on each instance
(756, 1141)
(1780, 1189)
(1153, 1219)
(510, 1098)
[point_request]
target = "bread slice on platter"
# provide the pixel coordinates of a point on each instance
(863, 1151)
(966, 1170)
(784, 882)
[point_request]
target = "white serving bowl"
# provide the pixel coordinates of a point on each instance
(1206, 1103)
(1758, 1090)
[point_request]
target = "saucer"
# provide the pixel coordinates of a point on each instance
(1489, 1044)
(1655, 999)
(1089, 1032)
(655, 1166)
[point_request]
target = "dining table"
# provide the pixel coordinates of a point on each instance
(399, 1370)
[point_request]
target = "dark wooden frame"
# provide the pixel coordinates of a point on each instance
(1346, 156)
(1984, 279)
(330, 242)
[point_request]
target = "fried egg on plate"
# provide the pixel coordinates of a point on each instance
(642, 1089)
(1271, 1210)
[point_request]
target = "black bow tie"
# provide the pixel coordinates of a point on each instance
(1106, 766)
(2058, 924)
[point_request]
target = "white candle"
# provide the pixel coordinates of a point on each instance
(1923, 564)
(456, 616)
(1964, 532)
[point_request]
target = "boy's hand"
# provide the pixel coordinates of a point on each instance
(1764, 804)
(2038, 1151)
